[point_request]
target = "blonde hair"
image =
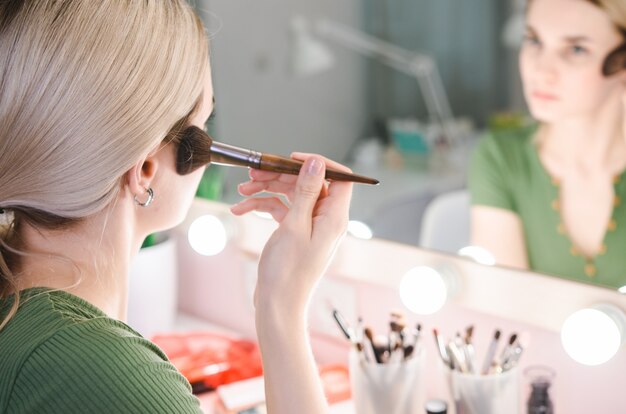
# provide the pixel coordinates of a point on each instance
(616, 10)
(87, 88)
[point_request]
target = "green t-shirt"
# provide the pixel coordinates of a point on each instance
(506, 172)
(61, 354)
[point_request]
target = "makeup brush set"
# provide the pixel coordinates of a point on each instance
(399, 344)
(459, 353)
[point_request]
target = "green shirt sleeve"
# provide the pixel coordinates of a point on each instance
(488, 179)
(99, 367)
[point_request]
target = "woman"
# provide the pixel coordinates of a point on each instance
(552, 197)
(90, 94)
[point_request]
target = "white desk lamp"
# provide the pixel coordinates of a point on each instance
(310, 55)
(513, 31)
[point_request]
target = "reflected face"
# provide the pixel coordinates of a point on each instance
(565, 45)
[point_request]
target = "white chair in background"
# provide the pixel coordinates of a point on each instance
(400, 219)
(446, 222)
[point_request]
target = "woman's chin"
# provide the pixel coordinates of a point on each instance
(544, 114)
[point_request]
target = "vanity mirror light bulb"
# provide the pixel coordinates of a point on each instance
(593, 336)
(423, 290)
(208, 235)
(359, 230)
(478, 254)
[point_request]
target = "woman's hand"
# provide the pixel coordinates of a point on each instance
(311, 226)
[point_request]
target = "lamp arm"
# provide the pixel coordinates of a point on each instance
(397, 57)
(420, 66)
(437, 103)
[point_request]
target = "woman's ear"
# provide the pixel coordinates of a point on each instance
(139, 178)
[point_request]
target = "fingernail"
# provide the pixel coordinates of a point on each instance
(315, 167)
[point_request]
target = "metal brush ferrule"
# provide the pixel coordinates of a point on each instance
(225, 154)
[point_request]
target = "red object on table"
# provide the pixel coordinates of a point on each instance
(336, 382)
(209, 360)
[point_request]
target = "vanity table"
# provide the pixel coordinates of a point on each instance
(363, 280)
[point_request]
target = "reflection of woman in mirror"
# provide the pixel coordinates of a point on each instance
(552, 197)
(88, 92)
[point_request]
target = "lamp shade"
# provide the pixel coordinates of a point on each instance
(307, 55)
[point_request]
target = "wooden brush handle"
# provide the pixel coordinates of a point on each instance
(284, 165)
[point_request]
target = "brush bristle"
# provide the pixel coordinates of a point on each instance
(615, 61)
(194, 150)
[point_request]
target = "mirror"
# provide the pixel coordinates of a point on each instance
(351, 111)
(505, 293)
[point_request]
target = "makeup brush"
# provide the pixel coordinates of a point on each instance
(519, 346)
(505, 354)
(369, 334)
(196, 149)
(443, 353)
(469, 348)
(491, 352)
(352, 336)
(359, 335)
(457, 357)
(417, 332)
(497, 365)
(615, 61)
(341, 322)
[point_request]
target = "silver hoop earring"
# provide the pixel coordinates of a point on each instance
(148, 201)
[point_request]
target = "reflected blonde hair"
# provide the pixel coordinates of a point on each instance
(87, 89)
(616, 10)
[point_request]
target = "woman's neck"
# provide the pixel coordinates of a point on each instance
(586, 144)
(90, 260)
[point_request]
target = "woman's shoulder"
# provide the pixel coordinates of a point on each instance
(98, 343)
(91, 362)
(502, 164)
(59, 322)
(57, 326)
(45, 314)
(508, 144)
